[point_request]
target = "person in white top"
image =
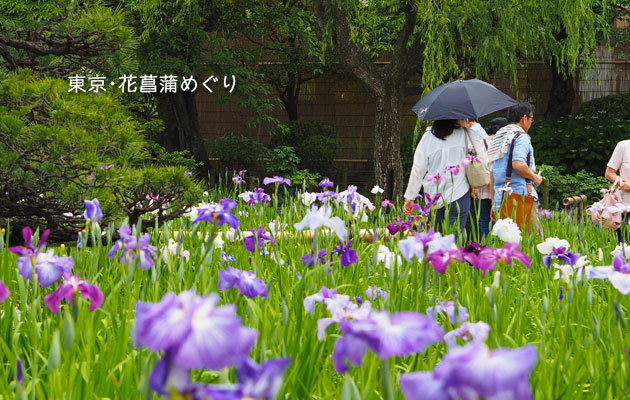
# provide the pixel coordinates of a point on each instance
(443, 145)
(620, 161)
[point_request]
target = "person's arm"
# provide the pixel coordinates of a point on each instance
(614, 164)
(523, 170)
(418, 170)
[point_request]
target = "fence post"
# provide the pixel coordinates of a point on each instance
(545, 197)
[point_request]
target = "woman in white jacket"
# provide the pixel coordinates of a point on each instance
(443, 145)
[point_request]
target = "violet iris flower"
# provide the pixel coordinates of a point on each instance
(257, 239)
(93, 211)
(28, 253)
(70, 287)
(341, 308)
(309, 259)
(473, 371)
(470, 331)
(324, 183)
(448, 308)
(400, 334)
(194, 330)
(399, 226)
(278, 180)
(374, 292)
(261, 382)
(427, 243)
(319, 297)
(246, 282)
(219, 214)
(226, 257)
(133, 248)
(327, 195)
(561, 253)
(347, 256)
(4, 292)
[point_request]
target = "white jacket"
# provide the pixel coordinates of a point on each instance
(433, 155)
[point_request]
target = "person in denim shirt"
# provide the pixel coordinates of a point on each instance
(520, 118)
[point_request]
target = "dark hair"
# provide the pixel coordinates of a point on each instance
(496, 124)
(515, 113)
(442, 128)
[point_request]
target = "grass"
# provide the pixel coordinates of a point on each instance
(581, 338)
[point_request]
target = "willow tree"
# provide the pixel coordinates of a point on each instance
(446, 39)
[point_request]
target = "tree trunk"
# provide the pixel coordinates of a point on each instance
(181, 126)
(561, 96)
(387, 140)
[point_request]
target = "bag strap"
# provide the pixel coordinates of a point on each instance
(508, 171)
(466, 138)
(615, 186)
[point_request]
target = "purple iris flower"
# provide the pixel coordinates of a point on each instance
(561, 253)
(238, 180)
(93, 211)
(278, 180)
(448, 308)
(327, 195)
(487, 259)
(309, 258)
(257, 239)
(475, 331)
(545, 213)
(374, 292)
(133, 248)
(452, 169)
(50, 268)
(386, 204)
(473, 371)
(319, 297)
(70, 287)
(427, 243)
(347, 255)
(441, 259)
(219, 214)
(324, 183)
(262, 382)
(399, 226)
(194, 330)
(246, 282)
(168, 377)
(28, 253)
(226, 257)
(474, 247)
(400, 334)
(618, 274)
(4, 292)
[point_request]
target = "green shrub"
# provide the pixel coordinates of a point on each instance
(563, 185)
(586, 140)
(315, 143)
(310, 179)
(59, 148)
(282, 161)
(238, 152)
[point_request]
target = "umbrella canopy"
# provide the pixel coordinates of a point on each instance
(462, 99)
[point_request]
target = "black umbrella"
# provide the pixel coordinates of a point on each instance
(462, 99)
